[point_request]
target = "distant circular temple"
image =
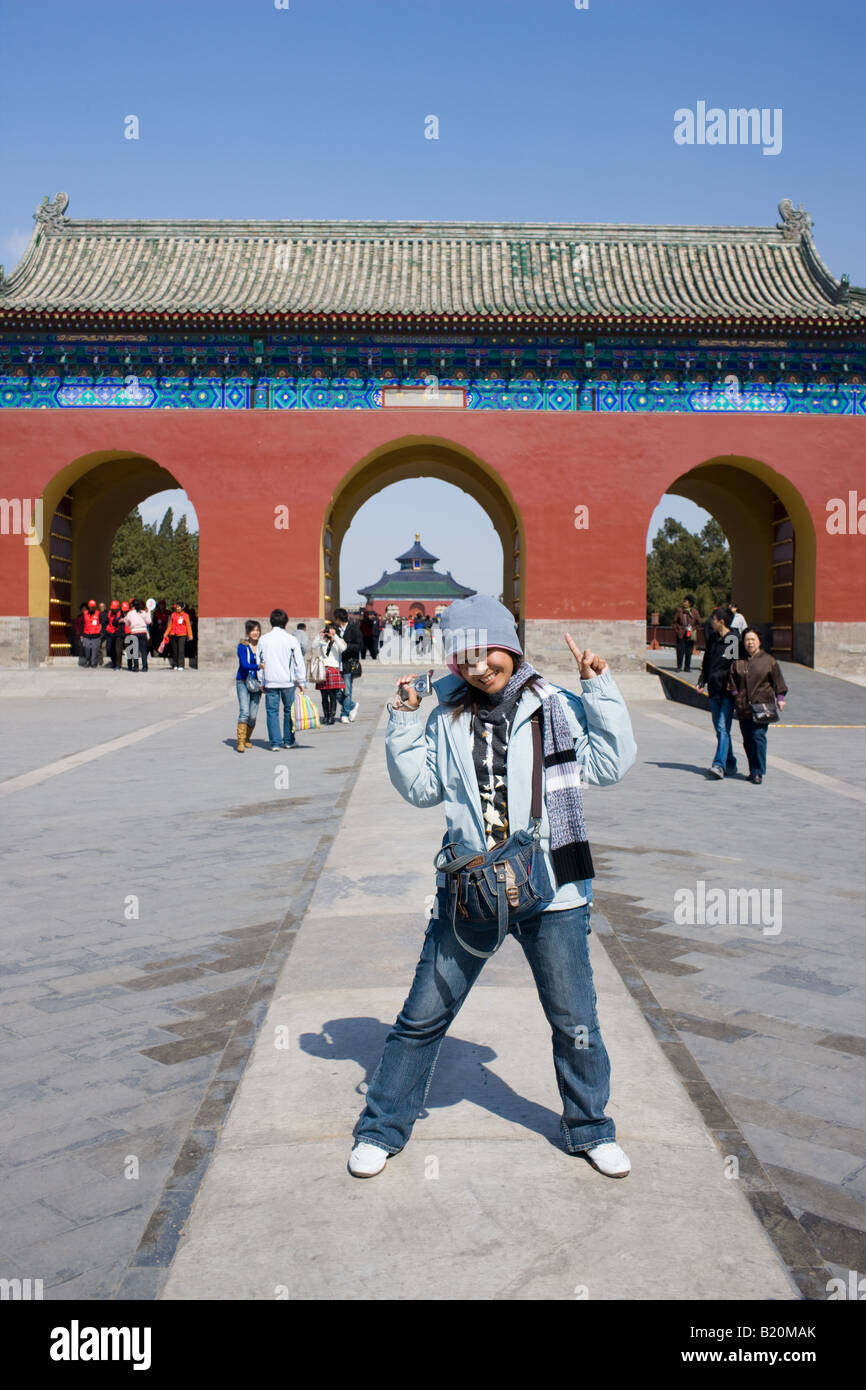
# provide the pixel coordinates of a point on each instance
(416, 587)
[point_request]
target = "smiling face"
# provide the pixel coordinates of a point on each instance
(488, 669)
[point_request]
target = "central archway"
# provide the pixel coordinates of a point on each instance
(418, 456)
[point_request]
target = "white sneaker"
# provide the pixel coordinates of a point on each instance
(344, 719)
(354, 713)
(366, 1160)
(609, 1159)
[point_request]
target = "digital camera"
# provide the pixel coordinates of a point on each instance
(423, 684)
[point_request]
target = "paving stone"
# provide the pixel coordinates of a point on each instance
(69, 1138)
(26, 1020)
(840, 1042)
(814, 1159)
(811, 1194)
(856, 1182)
(783, 1120)
(842, 1245)
(93, 1246)
(31, 1222)
(801, 979)
(100, 1197)
(99, 1286)
(708, 1028)
(839, 1107)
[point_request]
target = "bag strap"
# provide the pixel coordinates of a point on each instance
(501, 915)
(537, 762)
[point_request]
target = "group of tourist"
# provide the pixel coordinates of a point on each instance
(743, 682)
(128, 630)
(280, 664)
(378, 634)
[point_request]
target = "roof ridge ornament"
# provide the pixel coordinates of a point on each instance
(51, 214)
(795, 222)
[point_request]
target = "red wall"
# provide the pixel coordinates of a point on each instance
(237, 466)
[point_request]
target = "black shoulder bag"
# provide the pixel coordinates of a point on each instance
(508, 884)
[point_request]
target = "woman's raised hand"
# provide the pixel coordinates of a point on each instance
(588, 663)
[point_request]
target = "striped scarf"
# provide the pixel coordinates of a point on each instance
(492, 717)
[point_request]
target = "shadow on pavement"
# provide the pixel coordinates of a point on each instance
(460, 1073)
(686, 767)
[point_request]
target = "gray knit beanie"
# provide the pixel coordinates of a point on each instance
(477, 622)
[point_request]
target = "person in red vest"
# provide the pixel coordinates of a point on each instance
(178, 632)
(91, 633)
(111, 625)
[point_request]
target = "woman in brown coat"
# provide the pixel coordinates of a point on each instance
(755, 680)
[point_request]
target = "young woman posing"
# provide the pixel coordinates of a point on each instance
(476, 755)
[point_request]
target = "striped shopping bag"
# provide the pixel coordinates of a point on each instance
(304, 713)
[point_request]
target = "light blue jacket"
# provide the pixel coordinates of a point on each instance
(433, 764)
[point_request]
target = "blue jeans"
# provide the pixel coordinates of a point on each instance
(248, 704)
(286, 694)
(345, 696)
(556, 945)
(755, 744)
(722, 710)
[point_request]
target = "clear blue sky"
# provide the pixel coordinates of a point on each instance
(546, 113)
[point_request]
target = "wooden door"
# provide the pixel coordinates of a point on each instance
(783, 583)
(60, 580)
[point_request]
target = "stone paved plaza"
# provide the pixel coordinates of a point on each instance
(169, 904)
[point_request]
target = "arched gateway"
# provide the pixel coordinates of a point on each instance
(566, 376)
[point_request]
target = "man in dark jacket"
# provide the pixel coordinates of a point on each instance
(723, 649)
(687, 620)
(370, 628)
(351, 635)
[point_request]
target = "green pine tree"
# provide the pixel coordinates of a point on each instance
(155, 561)
(186, 562)
(681, 562)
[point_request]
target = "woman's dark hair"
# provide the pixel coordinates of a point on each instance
(250, 624)
(136, 603)
(750, 629)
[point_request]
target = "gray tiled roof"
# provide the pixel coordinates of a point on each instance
(489, 271)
